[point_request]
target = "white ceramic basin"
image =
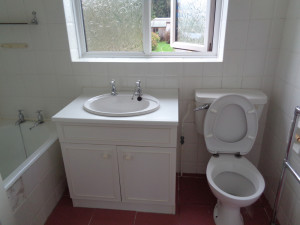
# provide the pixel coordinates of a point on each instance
(121, 105)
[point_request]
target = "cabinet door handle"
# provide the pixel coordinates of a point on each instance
(128, 157)
(105, 156)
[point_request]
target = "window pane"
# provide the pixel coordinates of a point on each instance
(191, 21)
(160, 26)
(113, 25)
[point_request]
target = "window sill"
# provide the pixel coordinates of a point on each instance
(151, 60)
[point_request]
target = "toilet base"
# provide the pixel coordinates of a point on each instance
(227, 215)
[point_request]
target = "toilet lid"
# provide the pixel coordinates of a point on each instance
(230, 125)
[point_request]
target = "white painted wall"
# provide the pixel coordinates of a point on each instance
(6, 216)
(285, 96)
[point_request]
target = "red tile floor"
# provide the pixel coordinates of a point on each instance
(195, 204)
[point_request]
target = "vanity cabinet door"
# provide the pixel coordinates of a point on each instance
(92, 171)
(147, 174)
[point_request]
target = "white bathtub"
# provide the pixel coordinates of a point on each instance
(32, 169)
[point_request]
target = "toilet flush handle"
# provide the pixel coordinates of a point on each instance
(201, 107)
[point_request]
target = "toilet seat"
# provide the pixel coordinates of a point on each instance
(230, 125)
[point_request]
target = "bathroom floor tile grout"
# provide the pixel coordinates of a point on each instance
(135, 217)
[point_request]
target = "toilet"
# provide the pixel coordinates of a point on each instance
(228, 119)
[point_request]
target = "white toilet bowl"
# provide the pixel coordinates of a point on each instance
(236, 183)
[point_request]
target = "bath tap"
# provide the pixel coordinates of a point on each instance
(138, 91)
(21, 117)
(113, 88)
(40, 119)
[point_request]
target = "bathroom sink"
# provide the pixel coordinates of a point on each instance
(121, 105)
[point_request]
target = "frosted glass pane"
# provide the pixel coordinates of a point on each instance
(191, 21)
(113, 25)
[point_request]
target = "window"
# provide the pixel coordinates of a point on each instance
(150, 28)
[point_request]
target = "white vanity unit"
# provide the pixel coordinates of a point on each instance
(121, 162)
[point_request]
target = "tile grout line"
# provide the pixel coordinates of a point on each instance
(91, 217)
(135, 217)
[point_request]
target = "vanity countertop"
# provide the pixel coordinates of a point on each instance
(167, 114)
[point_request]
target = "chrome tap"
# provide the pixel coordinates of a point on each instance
(138, 91)
(21, 117)
(40, 119)
(113, 88)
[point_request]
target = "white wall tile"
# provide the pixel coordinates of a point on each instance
(28, 63)
(280, 9)
(189, 152)
(251, 82)
(11, 62)
(101, 81)
(15, 10)
(193, 69)
(239, 9)
(189, 84)
(171, 82)
(258, 34)
(54, 11)
(293, 9)
(3, 11)
(236, 34)
(81, 69)
(40, 38)
(231, 82)
(172, 69)
(254, 63)
(262, 9)
(49, 86)
(62, 63)
(44, 62)
(233, 63)
(58, 37)
(154, 82)
(276, 33)
(155, 69)
(212, 82)
(99, 69)
(190, 134)
(137, 69)
(271, 62)
(213, 69)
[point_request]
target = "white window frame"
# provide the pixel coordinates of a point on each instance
(217, 34)
(208, 36)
